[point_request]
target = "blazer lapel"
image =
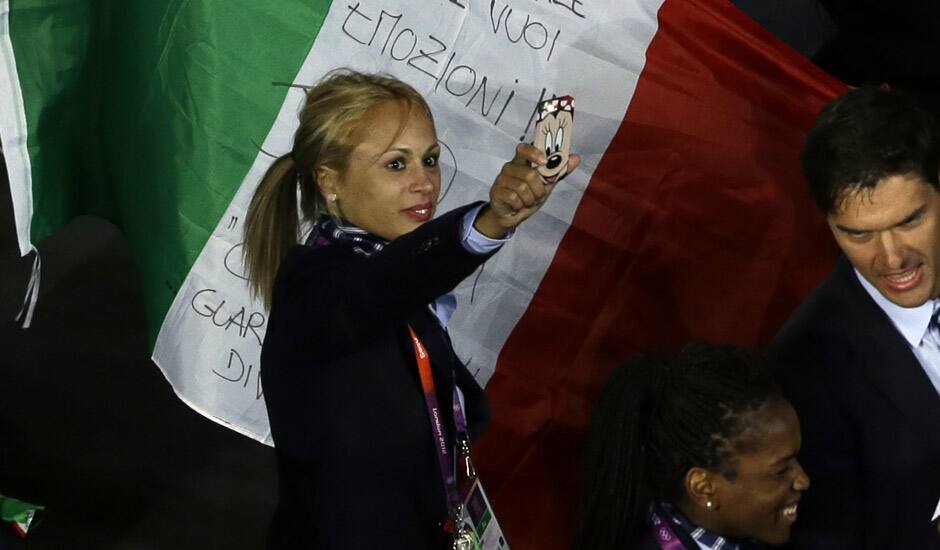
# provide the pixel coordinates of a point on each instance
(891, 364)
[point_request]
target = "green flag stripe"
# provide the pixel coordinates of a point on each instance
(149, 113)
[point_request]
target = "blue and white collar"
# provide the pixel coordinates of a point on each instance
(911, 322)
(706, 540)
(329, 230)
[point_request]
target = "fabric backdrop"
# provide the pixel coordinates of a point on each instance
(688, 219)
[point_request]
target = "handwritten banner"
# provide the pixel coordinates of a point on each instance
(482, 66)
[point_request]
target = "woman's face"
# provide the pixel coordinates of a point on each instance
(392, 180)
(760, 501)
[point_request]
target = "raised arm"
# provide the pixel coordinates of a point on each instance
(340, 297)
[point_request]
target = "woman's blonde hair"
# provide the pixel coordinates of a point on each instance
(333, 111)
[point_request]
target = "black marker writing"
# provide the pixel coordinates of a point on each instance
(234, 255)
(570, 5)
(450, 181)
(431, 56)
(205, 304)
(426, 54)
(530, 32)
(236, 372)
(532, 115)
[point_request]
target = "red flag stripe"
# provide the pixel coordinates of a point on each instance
(695, 225)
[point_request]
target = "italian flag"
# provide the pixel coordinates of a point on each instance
(687, 220)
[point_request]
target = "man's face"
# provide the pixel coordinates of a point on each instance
(891, 235)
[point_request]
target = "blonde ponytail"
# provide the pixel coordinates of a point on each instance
(271, 225)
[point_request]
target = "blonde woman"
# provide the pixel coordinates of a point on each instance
(357, 361)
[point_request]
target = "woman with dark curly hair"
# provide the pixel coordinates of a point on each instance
(694, 451)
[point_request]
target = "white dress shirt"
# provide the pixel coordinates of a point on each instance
(914, 325)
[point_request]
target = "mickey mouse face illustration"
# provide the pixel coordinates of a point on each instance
(553, 136)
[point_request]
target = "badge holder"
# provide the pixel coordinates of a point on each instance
(477, 527)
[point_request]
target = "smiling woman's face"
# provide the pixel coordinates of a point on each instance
(391, 183)
(760, 500)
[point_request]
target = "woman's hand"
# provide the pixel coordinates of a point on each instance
(518, 192)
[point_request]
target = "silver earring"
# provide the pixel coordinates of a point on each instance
(331, 197)
(709, 504)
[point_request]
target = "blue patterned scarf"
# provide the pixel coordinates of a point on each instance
(329, 230)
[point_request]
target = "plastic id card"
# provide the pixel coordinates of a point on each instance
(478, 514)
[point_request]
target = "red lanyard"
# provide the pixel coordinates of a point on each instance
(438, 430)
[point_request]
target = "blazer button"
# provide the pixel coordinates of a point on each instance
(426, 245)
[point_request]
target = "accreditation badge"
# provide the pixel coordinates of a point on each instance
(479, 529)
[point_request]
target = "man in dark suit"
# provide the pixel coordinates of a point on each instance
(860, 358)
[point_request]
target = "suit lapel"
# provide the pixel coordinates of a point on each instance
(891, 364)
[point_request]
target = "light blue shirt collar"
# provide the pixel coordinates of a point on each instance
(911, 322)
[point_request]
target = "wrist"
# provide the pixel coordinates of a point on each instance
(487, 223)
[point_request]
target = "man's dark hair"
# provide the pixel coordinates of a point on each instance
(865, 135)
(655, 420)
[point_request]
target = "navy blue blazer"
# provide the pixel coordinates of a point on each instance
(356, 463)
(870, 419)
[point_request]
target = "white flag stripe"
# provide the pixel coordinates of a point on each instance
(13, 135)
